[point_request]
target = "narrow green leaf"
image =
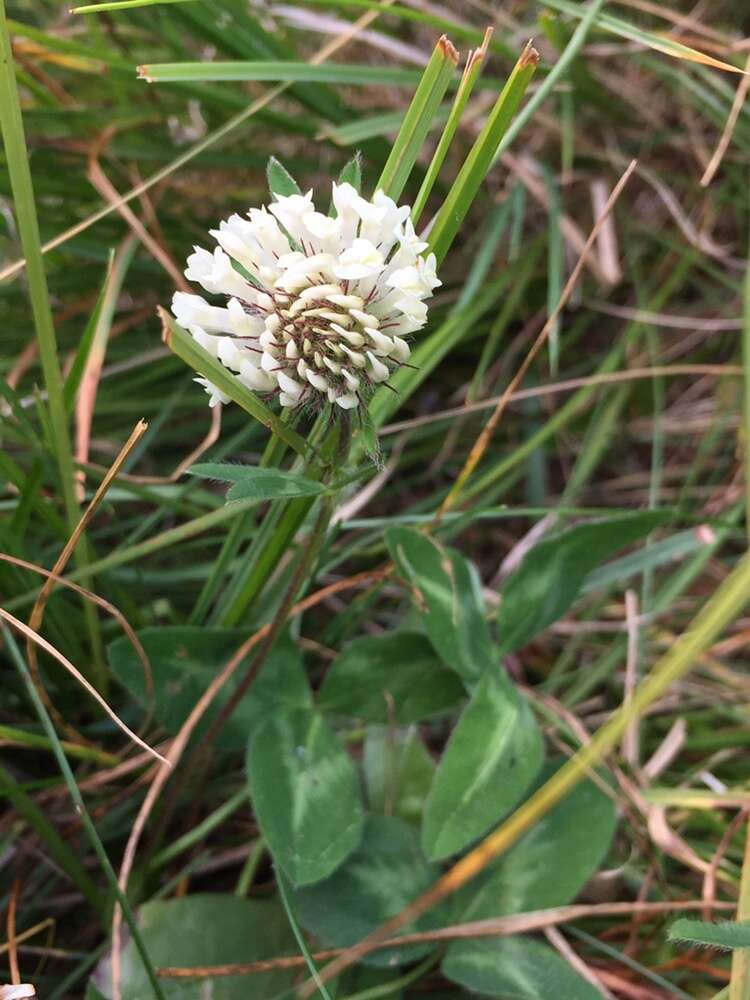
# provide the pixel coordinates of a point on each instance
(305, 793)
(518, 967)
(182, 344)
(448, 599)
(469, 78)
(399, 669)
(419, 118)
(280, 181)
(482, 153)
(728, 935)
(385, 873)
(254, 483)
(19, 173)
(552, 573)
(284, 71)
(491, 758)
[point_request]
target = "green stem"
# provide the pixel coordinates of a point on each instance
(300, 938)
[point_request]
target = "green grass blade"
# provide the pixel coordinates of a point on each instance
(465, 87)
(279, 71)
(652, 40)
(17, 159)
(419, 118)
(481, 155)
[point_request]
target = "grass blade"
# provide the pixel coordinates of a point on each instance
(17, 159)
(652, 40)
(471, 73)
(418, 119)
(481, 155)
(284, 71)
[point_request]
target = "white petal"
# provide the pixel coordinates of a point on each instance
(216, 396)
(366, 319)
(229, 355)
(193, 310)
(289, 210)
(357, 359)
(316, 379)
(347, 401)
(379, 341)
(361, 260)
(289, 385)
(401, 350)
(268, 362)
(256, 379)
(376, 369)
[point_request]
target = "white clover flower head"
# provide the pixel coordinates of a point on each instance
(318, 307)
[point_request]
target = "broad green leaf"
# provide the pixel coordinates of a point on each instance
(727, 935)
(351, 172)
(552, 863)
(185, 660)
(204, 929)
(553, 572)
(305, 793)
(280, 181)
(398, 771)
(491, 758)
(386, 872)
(450, 601)
(254, 483)
(515, 968)
(400, 670)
